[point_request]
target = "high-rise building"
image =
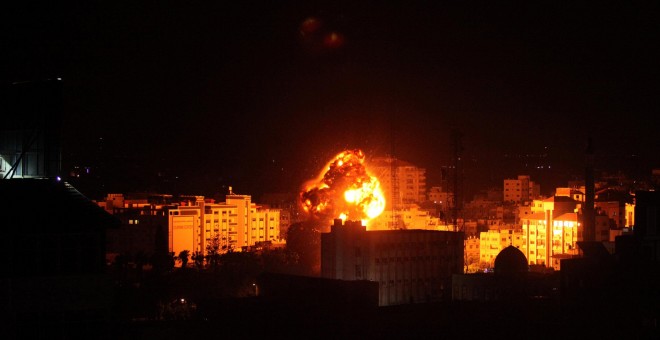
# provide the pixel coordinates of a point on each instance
(409, 265)
(402, 182)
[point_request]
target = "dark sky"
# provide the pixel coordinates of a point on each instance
(219, 93)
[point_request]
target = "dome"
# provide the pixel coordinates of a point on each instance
(511, 261)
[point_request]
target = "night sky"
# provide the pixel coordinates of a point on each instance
(260, 94)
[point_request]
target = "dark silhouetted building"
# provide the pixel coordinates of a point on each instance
(317, 292)
(511, 262)
(410, 266)
(625, 284)
(510, 281)
(647, 224)
(30, 129)
(53, 246)
(144, 225)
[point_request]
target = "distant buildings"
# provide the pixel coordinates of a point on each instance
(402, 182)
(521, 189)
(552, 230)
(510, 281)
(161, 223)
(290, 210)
(472, 255)
(443, 199)
(410, 266)
(410, 218)
(493, 241)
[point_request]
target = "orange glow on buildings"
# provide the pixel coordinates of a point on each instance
(235, 224)
(345, 189)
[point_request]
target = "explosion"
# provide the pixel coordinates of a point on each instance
(344, 190)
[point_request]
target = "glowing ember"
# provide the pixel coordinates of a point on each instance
(344, 190)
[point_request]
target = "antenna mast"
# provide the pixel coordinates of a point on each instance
(457, 146)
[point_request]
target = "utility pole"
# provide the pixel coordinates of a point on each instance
(394, 178)
(456, 137)
(589, 211)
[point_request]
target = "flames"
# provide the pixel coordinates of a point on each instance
(345, 190)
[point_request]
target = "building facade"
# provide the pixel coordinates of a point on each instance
(553, 228)
(403, 183)
(522, 189)
(233, 225)
(492, 242)
(538, 233)
(410, 218)
(471, 252)
(409, 265)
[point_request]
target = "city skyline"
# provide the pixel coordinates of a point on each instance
(260, 95)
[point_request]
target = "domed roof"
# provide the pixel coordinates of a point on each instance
(511, 261)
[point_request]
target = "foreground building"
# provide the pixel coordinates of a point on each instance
(54, 280)
(410, 266)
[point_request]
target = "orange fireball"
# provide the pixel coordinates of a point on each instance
(345, 190)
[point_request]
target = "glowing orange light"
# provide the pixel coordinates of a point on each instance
(310, 26)
(333, 40)
(345, 190)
